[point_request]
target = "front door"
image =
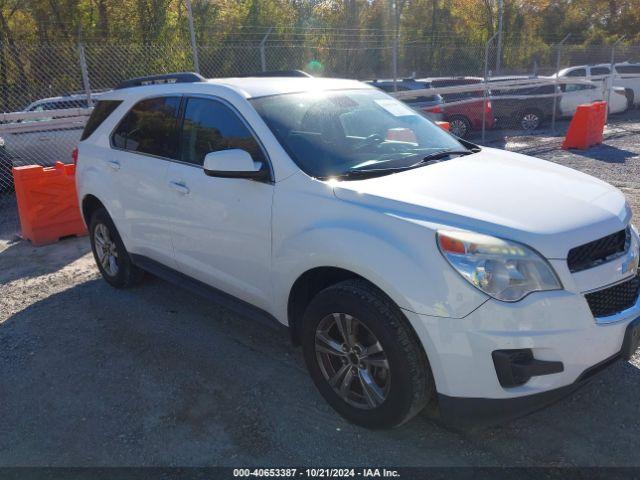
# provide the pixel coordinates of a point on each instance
(221, 226)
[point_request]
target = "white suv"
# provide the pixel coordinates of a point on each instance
(414, 268)
(626, 75)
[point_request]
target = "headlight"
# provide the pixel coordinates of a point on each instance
(504, 270)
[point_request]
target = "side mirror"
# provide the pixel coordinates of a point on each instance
(234, 163)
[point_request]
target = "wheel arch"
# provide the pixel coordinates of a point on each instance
(312, 282)
(307, 286)
(90, 203)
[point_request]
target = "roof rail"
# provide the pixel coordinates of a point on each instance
(165, 78)
(277, 73)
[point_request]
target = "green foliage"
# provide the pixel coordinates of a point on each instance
(156, 21)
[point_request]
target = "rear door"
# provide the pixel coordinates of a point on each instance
(574, 94)
(143, 144)
(600, 74)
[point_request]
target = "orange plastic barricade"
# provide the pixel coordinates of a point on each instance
(587, 126)
(47, 202)
(443, 125)
(596, 132)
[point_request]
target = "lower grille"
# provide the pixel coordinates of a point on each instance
(612, 300)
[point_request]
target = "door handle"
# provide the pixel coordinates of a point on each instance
(180, 187)
(113, 164)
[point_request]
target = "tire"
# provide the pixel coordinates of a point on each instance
(117, 270)
(460, 126)
(6, 175)
(398, 391)
(530, 119)
(629, 93)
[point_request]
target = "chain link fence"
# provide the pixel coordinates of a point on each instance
(46, 91)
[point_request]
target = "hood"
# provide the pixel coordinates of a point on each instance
(544, 205)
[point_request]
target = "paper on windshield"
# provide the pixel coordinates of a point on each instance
(395, 108)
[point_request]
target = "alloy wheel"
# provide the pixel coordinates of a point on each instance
(352, 361)
(106, 249)
(530, 121)
(458, 128)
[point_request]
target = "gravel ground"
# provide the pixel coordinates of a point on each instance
(93, 376)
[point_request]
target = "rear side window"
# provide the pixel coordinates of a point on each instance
(101, 111)
(211, 126)
(150, 127)
(600, 71)
(628, 68)
(578, 72)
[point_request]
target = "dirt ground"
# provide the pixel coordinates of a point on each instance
(93, 376)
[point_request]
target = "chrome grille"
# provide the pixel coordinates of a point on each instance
(598, 251)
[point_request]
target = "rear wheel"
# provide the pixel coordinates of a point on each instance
(6, 174)
(459, 126)
(363, 356)
(530, 120)
(110, 254)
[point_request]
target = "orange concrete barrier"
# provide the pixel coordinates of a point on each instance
(443, 125)
(587, 126)
(47, 202)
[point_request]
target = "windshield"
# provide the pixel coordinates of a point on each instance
(333, 133)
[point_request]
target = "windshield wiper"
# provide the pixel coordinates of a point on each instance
(362, 174)
(359, 174)
(443, 154)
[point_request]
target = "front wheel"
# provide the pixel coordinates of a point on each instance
(363, 356)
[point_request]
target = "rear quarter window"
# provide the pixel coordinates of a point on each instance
(100, 113)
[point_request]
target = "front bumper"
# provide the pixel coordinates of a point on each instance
(556, 326)
(473, 412)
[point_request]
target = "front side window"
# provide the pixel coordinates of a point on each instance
(150, 127)
(334, 133)
(211, 126)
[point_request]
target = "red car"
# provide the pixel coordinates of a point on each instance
(463, 111)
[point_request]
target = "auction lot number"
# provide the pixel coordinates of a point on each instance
(315, 472)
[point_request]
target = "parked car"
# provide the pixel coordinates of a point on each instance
(62, 102)
(36, 142)
(428, 105)
(626, 75)
(6, 175)
(579, 94)
(480, 282)
(464, 110)
(526, 108)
